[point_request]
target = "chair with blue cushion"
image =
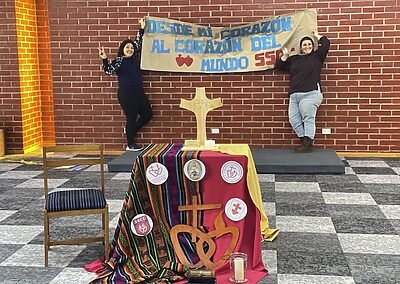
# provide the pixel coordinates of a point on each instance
(74, 202)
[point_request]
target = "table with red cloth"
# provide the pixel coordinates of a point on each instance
(152, 258)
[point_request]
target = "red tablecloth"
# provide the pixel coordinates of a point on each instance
(216, 190)
(152, 258)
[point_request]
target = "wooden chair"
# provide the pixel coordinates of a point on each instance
(74, 202)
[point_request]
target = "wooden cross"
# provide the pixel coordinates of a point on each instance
(201, 105)
(194, 207)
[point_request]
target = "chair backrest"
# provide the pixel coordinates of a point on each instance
(54, 156)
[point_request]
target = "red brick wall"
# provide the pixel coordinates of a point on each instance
(361, 76)
(10, 98)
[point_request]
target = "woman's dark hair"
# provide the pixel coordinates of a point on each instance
(122, 45)
(306, 38)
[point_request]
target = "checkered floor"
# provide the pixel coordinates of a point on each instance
(334, 228)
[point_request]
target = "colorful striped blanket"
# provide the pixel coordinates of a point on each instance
(151, 258)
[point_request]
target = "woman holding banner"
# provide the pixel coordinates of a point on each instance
(131, 96)
(305, 93)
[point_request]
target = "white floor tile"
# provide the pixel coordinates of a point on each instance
(269, 208)
(74, 275)
(38, 183)
(266, 177)
(395, 179)
(113, 224)
(122, 176)
(370, 244)
(18, 234)
(114, 205)
(4, 214)
(313, 279)
(297, 187)
(391, 211)
(367, 163)
(20, 174)
(348, 198)
(8, 166)
(270, 260)
(305, 224)
(96, 168)
(349, 171)
(59, 256)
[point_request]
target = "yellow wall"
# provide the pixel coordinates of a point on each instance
(28, 36)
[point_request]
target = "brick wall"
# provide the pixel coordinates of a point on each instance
(361, 76)
(10, 99)
(29, 78)
(26, 85)
(46, 79)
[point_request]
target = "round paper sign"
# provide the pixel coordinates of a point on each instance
(141, 225)
(236, 209)
(194, 169)
(156, 173)
(232, 172)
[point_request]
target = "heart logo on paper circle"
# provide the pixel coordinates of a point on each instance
(141, 225)
(156, 173)
(232, 172)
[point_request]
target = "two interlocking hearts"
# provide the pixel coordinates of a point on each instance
(180, 60)
(155, 170)
(202, 238)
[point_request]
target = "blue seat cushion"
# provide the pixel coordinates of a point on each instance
(66, 200)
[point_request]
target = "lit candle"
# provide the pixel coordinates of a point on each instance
(239, 269)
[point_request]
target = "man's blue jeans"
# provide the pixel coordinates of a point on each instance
(302, 112)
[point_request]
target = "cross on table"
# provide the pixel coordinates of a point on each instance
(201, 105)
(194, 207)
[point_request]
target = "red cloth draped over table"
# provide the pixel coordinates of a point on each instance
(151, 258)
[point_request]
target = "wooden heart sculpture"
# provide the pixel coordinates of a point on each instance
(194, 232)
(201, 239)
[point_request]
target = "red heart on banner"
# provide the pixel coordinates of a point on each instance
(188, 60)
(180, 60)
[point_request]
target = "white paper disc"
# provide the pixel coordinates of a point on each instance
(194, 169)
(232, 172)
(156, 173)
(236, 209)
(141, 225)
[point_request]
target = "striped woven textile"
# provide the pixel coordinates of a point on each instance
(151, 258)
(89, 198)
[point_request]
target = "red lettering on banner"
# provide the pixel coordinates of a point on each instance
(266, 58)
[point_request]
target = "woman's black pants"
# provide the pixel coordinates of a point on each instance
(137, 110)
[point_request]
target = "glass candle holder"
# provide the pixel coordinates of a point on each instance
(238, 265)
